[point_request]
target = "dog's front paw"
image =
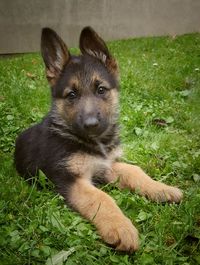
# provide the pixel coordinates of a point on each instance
(161, 192)
(120, 233)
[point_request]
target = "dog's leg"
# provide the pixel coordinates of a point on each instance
(101, 210)
(134, 178)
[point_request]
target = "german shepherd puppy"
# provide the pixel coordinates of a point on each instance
(77, 143)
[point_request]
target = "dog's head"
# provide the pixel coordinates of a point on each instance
(85, 87)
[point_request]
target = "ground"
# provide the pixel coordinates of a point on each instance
(160, 131)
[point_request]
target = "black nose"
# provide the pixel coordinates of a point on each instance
(91, 123)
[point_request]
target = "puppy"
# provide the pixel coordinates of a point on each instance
(77, 144)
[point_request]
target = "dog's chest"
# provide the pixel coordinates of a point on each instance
(87, 166)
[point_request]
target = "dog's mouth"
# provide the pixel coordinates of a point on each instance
(90, 132)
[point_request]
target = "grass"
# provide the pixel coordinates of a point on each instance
(160, 117)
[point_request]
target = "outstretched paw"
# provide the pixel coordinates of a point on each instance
(121, 234)
(161, 192)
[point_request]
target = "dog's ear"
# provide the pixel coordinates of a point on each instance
(90, 43)
(55, 54)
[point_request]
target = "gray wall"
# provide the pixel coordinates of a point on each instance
(21, 20)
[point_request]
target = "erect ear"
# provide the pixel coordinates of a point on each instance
(90, 43)
(55, 54)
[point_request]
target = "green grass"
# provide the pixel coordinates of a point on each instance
(160, 83)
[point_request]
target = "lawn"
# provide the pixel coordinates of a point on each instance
(160, 131)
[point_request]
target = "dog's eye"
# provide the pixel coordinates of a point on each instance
(101, 90)
(72, 95)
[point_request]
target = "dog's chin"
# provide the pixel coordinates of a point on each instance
(93, 135)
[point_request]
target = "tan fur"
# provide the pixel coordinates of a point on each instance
(97, 77)
(114, 99)
(101, 210)
(89, 105)
(115, 154)
(73, 82)
(97, 206)
(61, 109)
(110, 107)
(50, 75)
(60, 105)
(113, 67)
(133, 177)
(86, 166)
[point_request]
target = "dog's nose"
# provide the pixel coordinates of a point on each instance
(91, 123)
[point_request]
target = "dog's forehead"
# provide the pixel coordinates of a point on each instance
(87, 69)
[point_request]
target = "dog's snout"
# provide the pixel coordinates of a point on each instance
(91, 123)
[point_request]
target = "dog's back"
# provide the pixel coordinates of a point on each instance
(26, 152)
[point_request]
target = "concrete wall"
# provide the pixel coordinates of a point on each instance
(21, 20)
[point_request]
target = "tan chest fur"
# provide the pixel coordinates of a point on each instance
(87, 166)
